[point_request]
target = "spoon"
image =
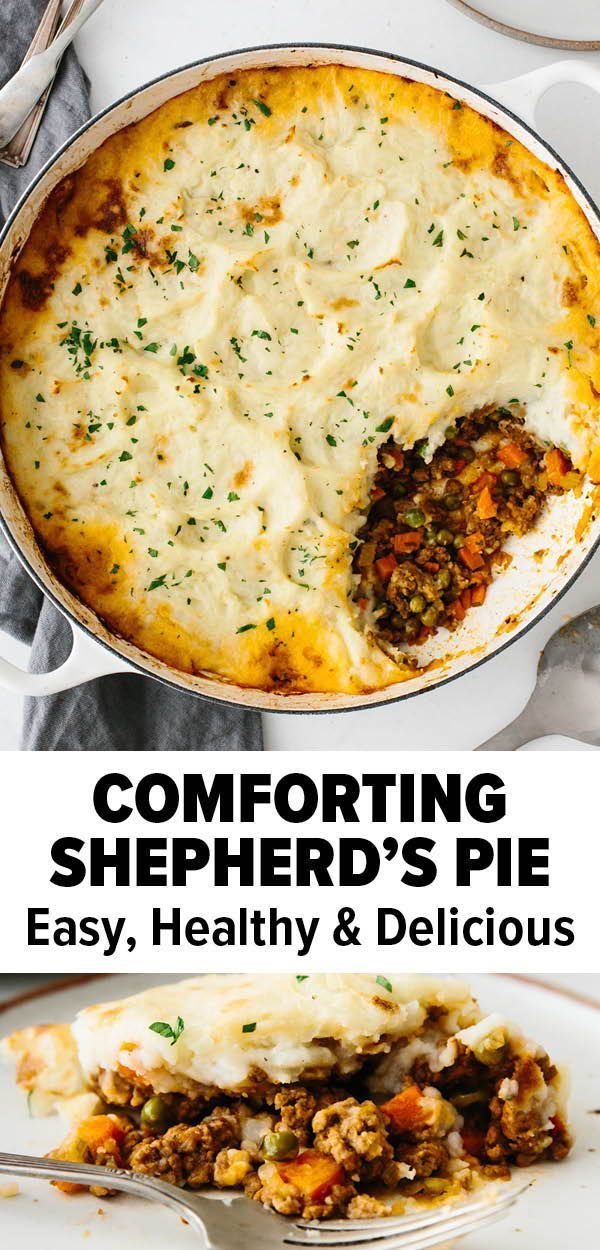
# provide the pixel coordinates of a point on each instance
(22, 92)
(566, 697)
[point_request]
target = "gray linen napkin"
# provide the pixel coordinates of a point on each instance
(122, 712)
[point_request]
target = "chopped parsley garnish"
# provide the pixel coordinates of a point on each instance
(591, 319)
(168, 164)
(409, 283)
(243, 629)
(331, 440)
(271, 622)
(208, 494)
(125, 455)
(385, 425)
(439, 239)
(249, 1028)
(232, 497)
(264, 108)
(383, 981)
(450, 391)
(167, 1030)
(302, 978)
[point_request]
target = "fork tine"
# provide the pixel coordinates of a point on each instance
(419, 1237)
(443, 1232)
(346, 1232)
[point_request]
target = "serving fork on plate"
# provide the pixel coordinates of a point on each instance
(228, 1222)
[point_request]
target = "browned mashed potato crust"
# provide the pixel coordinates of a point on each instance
(110, 429)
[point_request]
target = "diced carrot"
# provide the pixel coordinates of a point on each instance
(313, 1173)
(475, 541)
(424, 634)
(478, 594)
(363, 604)
(405, 1110)
(432, 566)
(385, 567)
(410, 541)
(457, 610)
(511, 455)
(486, 505)
(465, 598)
(98, 1129)
(484, 479)
(472, 559)
(377, 493)
(459, 465)
(556, 465)
(473, 1140)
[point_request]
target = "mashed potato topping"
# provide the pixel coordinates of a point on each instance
(280, 1026)
(220, 318)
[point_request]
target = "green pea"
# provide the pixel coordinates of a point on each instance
(411, 628)
(467, 453)
(452, 502)
(399, 490)
(469, 1100)
(414, 517)
(451, 431)
(458, 541)
(429, 617)
(155, 1114)
(417, 604)
(444, 537)
(279, 1145)
(443, 579)
(508, 477)
(420, 447)
(431, 536)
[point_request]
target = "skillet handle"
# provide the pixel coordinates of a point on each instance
(523, 94)
(86, 661)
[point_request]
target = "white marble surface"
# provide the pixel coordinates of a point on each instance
(129, 41)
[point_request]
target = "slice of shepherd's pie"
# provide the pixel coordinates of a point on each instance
(320, 1095)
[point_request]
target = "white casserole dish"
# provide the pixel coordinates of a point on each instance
(563, 542)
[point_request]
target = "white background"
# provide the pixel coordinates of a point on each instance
(130, 41)
(61, 804)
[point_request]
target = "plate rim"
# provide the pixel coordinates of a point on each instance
(526, 36)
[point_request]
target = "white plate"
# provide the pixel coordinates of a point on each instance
(550, 22)
(562, 1210)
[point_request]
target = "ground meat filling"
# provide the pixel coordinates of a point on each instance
(313, 1152)
(436, 531)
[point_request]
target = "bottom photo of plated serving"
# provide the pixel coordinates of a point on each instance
(398, 1109)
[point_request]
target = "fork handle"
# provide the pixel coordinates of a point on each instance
(90, 1174)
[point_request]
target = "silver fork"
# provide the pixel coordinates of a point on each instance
(237, 1223)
